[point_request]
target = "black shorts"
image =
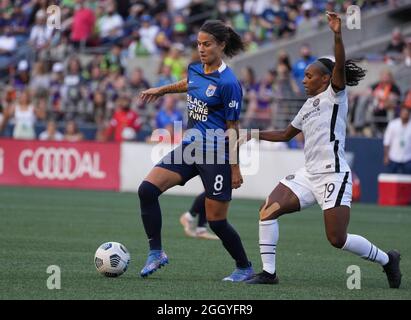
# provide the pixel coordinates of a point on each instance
(216, 177)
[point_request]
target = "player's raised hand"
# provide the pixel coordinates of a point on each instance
(334, 21)
(151, 95)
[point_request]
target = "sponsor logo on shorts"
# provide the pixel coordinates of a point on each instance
(290, 177)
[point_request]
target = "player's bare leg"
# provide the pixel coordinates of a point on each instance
(336, 223)
(280, 201)
(216, 210)
(163, 179)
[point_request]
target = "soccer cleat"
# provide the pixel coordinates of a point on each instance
(392, 269)
(240, 274)
(203, 233)
(263, 278)
(156, 259)
(187, 222)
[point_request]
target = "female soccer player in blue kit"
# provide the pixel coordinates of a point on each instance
(214, 102)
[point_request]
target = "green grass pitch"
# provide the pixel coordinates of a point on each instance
(42, 227)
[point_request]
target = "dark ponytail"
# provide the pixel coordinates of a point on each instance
(353, 73)
(223, 33)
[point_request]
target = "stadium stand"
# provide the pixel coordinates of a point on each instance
(109, 48)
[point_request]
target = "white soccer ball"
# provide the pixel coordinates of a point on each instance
(112, 259)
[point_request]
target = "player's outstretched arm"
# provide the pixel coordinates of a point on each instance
(338, 76)
(279, 135)
(152, 94)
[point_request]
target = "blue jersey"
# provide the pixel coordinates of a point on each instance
(212, 99)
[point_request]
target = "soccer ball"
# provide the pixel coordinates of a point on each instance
(112, 259)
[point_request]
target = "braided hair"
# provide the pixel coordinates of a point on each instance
(353, 73)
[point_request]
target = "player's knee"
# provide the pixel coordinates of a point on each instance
(148, 192)
(270, 211)
(337, 241)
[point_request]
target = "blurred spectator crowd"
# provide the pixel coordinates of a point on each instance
(73, 81)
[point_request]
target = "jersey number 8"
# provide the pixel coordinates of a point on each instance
(218, 185)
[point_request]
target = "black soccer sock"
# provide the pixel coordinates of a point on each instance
(231, 241)
(151, 213)
(198, 207)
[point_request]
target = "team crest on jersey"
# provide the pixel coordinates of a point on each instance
(316, 102)
(210, 90)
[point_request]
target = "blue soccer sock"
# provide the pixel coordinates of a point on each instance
(151, 213)
(231, 242)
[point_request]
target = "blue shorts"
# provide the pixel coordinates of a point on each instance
(216, 178)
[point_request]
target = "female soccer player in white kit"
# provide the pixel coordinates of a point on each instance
(326, 177)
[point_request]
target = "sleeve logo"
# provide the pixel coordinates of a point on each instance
(233, 104)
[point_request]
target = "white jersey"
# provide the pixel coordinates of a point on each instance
(323, 119)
